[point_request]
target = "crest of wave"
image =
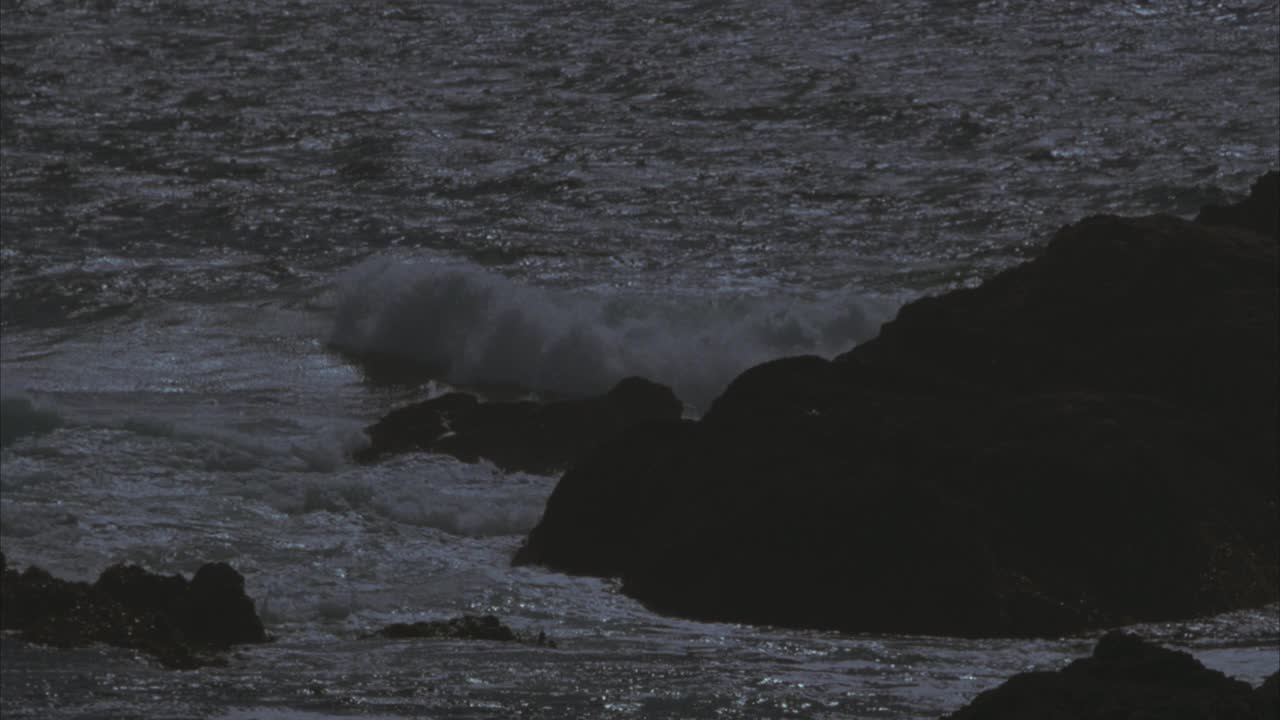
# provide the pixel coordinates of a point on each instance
(468, 326)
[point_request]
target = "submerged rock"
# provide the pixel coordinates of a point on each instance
(1086, 440)
(529, 436)
(467, 627)
(177, 621)
(1126, 677)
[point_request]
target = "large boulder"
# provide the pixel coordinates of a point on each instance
(181, 623)
(1126, 677)
(529, 436)
(1088, 439)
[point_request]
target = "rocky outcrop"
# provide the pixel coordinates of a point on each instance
(529, 436)
(1086, 440)
(1126, 677)
(181, 623)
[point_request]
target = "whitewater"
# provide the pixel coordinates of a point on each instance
(232, 235)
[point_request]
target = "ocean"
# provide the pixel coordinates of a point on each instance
(213, 214)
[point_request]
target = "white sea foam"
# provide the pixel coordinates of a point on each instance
(474, 500)
(218, 447)
(470, 326)
(514, 512)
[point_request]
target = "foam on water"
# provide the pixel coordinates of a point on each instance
(473, 327)
(473, 500)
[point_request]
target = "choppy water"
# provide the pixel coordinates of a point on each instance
(200, 199)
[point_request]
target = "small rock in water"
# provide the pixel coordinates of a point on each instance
(467, 627)
(1127, 677)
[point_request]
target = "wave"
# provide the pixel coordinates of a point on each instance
(464, 499)
(468, 326)
(20, 417)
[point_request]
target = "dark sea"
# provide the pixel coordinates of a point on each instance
(212, 212)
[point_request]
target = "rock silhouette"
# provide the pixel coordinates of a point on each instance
(529, 436)
(1126, 677)
(181, 623)
(1086, 440)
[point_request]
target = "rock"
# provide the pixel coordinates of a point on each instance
(528, 436)
(1126, 677)
(221, 614)
(467, 627)
(1155, 306)
(1086, 440)
(178, 622)
(1259, 212)
(1267, 696)
(606, 502)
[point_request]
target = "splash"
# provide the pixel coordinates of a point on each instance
(467, 326)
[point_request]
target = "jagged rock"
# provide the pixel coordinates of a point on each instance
(179, 622)
(529, 436)
(1087, 439)
(1126, 677)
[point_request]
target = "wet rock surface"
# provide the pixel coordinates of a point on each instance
(182, 623)
(1126, 677)
(1085, 440)
(526, 436)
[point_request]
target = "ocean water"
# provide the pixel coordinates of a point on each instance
(212, 212)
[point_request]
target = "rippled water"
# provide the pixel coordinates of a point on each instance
(201, 200)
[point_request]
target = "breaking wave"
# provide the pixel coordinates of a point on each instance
(20, 417)
(468, 326)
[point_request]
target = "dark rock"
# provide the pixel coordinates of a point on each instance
(178, 622)
(1126, 677)
(528, 436)
(1156, 306)
(467, 627)
(613, 496)
(1087, 439)
(1259, 212)
(1267, 696)
(221, 613)
(145, 592)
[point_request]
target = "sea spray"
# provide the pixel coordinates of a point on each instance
(469, 326)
